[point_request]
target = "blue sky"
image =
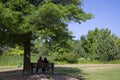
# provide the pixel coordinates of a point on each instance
(106, 15)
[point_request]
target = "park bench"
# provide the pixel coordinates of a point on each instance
(49, 65)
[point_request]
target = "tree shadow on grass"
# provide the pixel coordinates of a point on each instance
(58, 71)
(10, 75)
(70, 72)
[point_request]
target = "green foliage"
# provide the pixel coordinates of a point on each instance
(100, 45)
(12, 21)
(45, 19)
(21, 20)
(88, 61)
(117, 42)
(14, 51)
(114, 61)
(105, 47)
(11, 60)
(68, 57)
(96, 45)
(78, 49)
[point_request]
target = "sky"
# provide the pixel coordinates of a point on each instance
(106, 15)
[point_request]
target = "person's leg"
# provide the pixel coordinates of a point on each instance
(47, 68)
(43, 70)
(37, 68)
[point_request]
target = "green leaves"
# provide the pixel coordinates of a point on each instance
(99, 45)
(45, 20)
(105, 47)
(77, 14)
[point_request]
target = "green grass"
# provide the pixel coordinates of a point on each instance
(13, 60)
(85, 72)
(91, 72)
(7, 67)
(104, 74)
(70, 72)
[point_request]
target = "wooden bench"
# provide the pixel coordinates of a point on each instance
(49, 65)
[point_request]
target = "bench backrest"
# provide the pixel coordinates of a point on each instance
(50, 65)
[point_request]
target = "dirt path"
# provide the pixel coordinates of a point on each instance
(79, 65)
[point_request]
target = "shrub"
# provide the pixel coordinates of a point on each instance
(11, 60)
(68, 57)
(14, 51)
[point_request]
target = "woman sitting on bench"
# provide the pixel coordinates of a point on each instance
(40, 64)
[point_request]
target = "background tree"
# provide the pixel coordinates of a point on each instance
(117, 42)
(105, 47)
(78, 49)
(100, 45)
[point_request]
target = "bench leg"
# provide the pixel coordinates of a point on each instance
(37, 70)
(52, 69)
(31, 68)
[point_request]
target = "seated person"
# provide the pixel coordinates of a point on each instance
(46, 64)
(40, 64)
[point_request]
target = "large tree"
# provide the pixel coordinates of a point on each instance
(21, 20)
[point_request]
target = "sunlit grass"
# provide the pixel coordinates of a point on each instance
(85, 72)
(7, 67)
(13, 60)
(105, 75)
(102, 73)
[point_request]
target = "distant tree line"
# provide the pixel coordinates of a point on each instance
(98, 44)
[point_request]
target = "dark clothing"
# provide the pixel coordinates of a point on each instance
(45, 61)
(39, 64)
(43, 65)
(46, 64)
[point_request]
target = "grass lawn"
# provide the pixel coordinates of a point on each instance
(7, 67)
(86, 71)
(93, 72)
(102, 73)
(113, 74)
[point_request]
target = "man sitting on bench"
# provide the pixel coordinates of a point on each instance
(46, 62)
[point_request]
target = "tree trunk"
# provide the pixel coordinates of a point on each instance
(27, 65)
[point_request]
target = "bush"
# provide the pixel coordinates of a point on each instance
(67, 57)
(88, 61)
(11, 60)
(14, 51)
